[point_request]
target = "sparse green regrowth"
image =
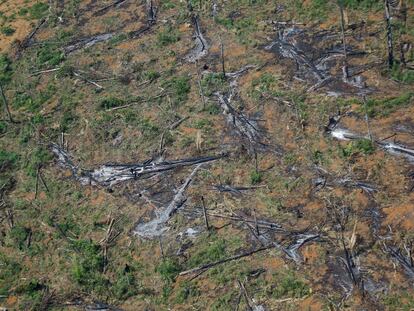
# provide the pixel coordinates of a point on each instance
(362, 4)
(38, 10)
(169, 269)
(213, 82)
(210, 252)
(186, 291)
(256, 177)
(404, 75)
(18, 236)
(399, 302)
(6, 70)
(39, 156)
(363, 146)
(168, 36)
(8, 160)
(125, 284)
(9, 274)
(180, 88)
(87, 266)
(383, 107)
(288, 286)
(49, 55)
(111, 102)
(263, 85)
(3, 127)
(7, 30)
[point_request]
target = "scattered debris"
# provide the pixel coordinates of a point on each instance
(316, 56)
(406, 261)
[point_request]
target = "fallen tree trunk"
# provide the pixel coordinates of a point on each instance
(201, 45)
(111, 174)
(213, 264)
(156, 227)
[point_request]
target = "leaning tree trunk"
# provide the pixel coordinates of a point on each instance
(389, 34)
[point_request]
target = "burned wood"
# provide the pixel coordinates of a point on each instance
(27, 42)
(316, 56)
(245, 127)
(219, 262)
(157, 226)
(88, 42)
(328, 180)
(112, 174)
(260, 223)
(205, 214)
(151, 13)
(292, 250)
(390, 147)
(5, 104)
(201, 45)
(234, 190)
(390, 47)
(109, 6)
(406, 261)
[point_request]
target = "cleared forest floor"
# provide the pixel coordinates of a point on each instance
(207, 155)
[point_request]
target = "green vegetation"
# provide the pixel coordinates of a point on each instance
(211, 252)
(18, 236)
(213, 82)
(383, 107)
(168, 36)
(180, 88)
(255, 177)
(7, 30)
(38, 10)
(87, 266)
(364, 146)
(111, 102)
(9, 273)
(402, 74)
(6, 70)
(8, 160)
(288, 285)
(187, 290)
(49, 55)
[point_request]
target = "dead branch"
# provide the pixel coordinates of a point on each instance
(5, 103)
(219, 262)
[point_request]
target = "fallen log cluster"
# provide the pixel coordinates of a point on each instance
(316, 56)
(109, 175)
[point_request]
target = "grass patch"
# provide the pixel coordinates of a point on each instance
(7, 30)
(38, 10)
(6, 70)
(383, 107)
(211, 252)
(8, 160)
(168, 36)
(288, 286)
(180, 88)
(256, 177)
(111, 102)
(361, 146)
